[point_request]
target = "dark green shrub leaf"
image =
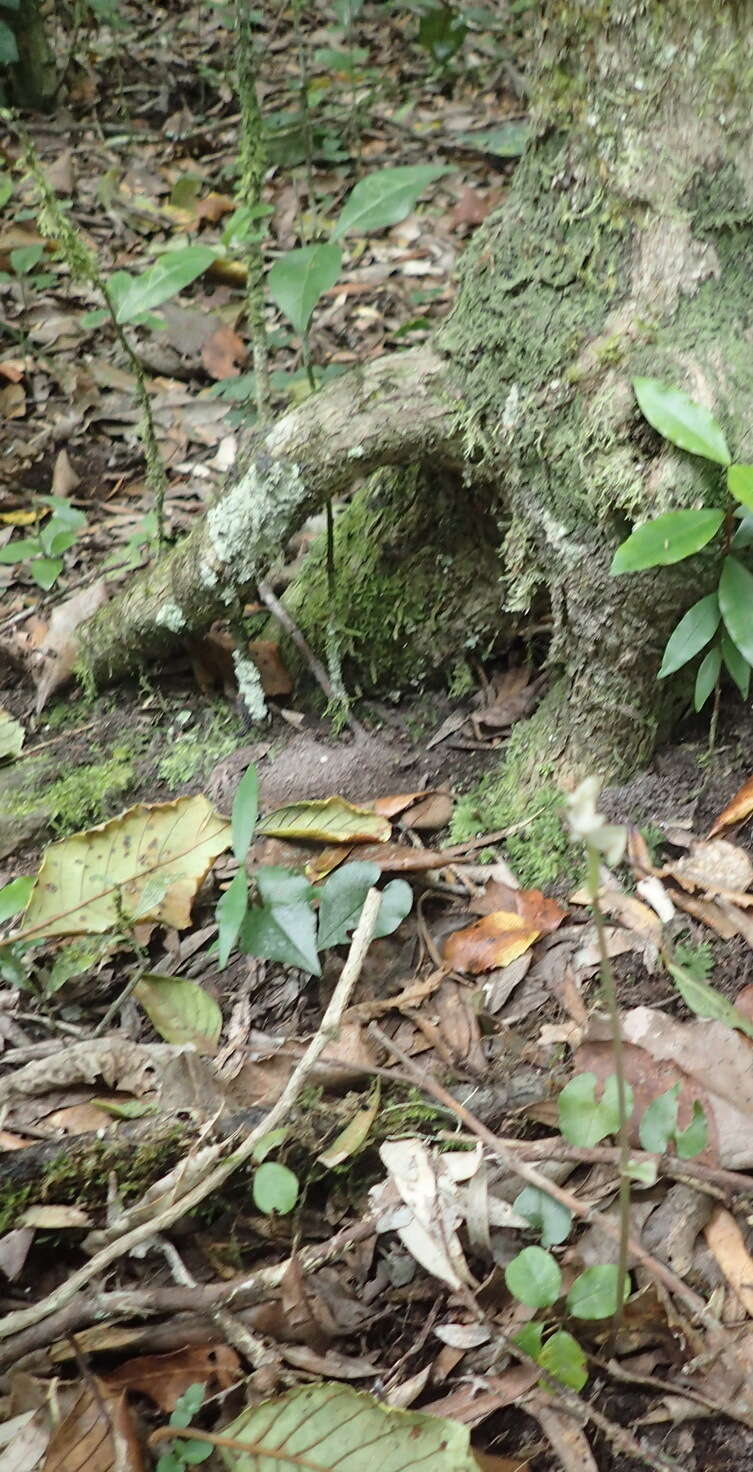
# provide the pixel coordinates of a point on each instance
(736, 664)
(174, 270)
(594, 1293)
(245, 812)
(659, 1121)
(666, 539)
(679, 419)
(300, 278)
(385, 198)
(563, 1357)
(396, 902)
(534, 1277)
(529, 1338)
(695, 628)
(583, 1120)
(740, 483)
(341, 901)
(230, 914)
(46, 571)
(552, 1219)
(275, 1188)
(18, 551)
(736, 603)
(708, 674)
(285, 933)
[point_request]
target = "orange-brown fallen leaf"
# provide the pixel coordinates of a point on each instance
(736, 811)
(165, 1377)
(494, 941)
(536, 908)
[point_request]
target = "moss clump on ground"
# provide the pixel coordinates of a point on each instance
(540, 851)
(83, 797)
(197, 751)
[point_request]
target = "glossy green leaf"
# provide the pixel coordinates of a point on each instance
(300, 277)
(180, 1011)
(275, 1188)
(659, 1122)
(529, 1338)
(14, 897)
(385, 197)
(744, 535)
(175, 270)
(694, 1139)
(245, 812)
(593, 1295)
(552, 1219)
(285, 933)
(666, 539)
(695, 628)
(736, 664)
(18, 551)
(708, 674)
(230, 914)
(341, 902)
(679, 419)
(584, 1120)
(534, 1278)
(563, 1357)
(736, 603)
(706, 1002)
(46, 571)
(278, 886)
(740, 483)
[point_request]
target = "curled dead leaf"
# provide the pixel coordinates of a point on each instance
(494, 941)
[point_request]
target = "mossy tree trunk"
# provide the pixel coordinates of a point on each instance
(623, 248)
(32, 71)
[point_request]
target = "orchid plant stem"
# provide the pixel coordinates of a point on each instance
(609, 990)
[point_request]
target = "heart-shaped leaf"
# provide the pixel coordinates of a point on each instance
(285, 933)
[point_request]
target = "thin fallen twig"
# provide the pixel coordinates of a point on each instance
(528, 1173)
(692, 1172)
(122, 1304)
(280, 612)
(163, 1218)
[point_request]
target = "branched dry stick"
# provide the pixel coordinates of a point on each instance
(164, 1218)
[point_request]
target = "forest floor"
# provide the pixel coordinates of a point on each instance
(130, 1047)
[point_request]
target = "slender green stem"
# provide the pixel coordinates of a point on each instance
(610, 997)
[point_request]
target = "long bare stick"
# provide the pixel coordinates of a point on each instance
(330, 1023)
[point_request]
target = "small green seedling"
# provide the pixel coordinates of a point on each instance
(721, 623)
(44, 551)
(183, 1452)
(296, 919)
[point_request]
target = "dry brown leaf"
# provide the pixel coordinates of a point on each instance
(222, 352)
(275, 678)
(165, 1377)
(714, 865)
(97, 1435)
(728, 1246)
(494, 941)
(737, 810)
(57, 655)
(538, 911)
(64, 477)
(431, 812)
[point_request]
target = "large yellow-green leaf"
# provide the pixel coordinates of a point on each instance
(180, 1011)
(88, 882)
(327, 820)
(328, 1426)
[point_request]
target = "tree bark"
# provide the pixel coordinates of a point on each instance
(623, 248)
(33, 76)
(394, 411)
